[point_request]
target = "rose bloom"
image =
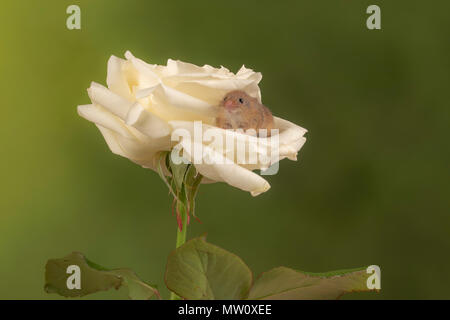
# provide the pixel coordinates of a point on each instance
(145, 104)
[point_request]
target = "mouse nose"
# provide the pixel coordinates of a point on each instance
(229, 104)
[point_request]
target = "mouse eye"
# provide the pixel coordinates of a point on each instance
(241, 100)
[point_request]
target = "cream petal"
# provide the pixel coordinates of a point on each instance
(218, 168)
(182, 100)
(167, 95)
(110, 100)
(159, 70)
(111, 141)
(246, 150)
(133, 144)
(253, 90)
(146, 122)
(221, 84)
(159, 106)
(139, 151)
(117, 79)
(132, 148)
(291, 138)
(147, 74)
(104, 118)
(208, 94)
(245, 72)
(184, 68)
(119, 139)
(146, 92)
(289, 131)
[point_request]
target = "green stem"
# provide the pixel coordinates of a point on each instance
(181, 236)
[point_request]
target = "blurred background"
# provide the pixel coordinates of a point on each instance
(371, 185)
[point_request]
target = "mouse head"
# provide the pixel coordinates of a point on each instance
(236, 99)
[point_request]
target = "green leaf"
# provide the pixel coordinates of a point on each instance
(178, 172)
(192, 181)
(163, 157)
(287, 284)
(93, 278)
(199, 270)
(137, 289)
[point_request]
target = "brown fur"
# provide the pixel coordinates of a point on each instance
(248, 114)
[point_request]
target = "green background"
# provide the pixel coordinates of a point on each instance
(371, 185)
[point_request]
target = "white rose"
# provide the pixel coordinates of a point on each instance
(144, 104)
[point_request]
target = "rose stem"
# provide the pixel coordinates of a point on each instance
(181, 236)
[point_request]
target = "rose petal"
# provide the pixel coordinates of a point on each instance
(111, 101)
(291, 138)
(180, 68)
(111, 141)
(104, 118)
(148, 75)
(221, 84)
(178, 101)
(146, 122)
(117, 79)
(264, 151)
(132, 149)
(218, 168)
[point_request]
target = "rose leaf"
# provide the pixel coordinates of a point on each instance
(76, 276)
(178, 172)
(192, 181)
(199, 270)
(287, 284)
